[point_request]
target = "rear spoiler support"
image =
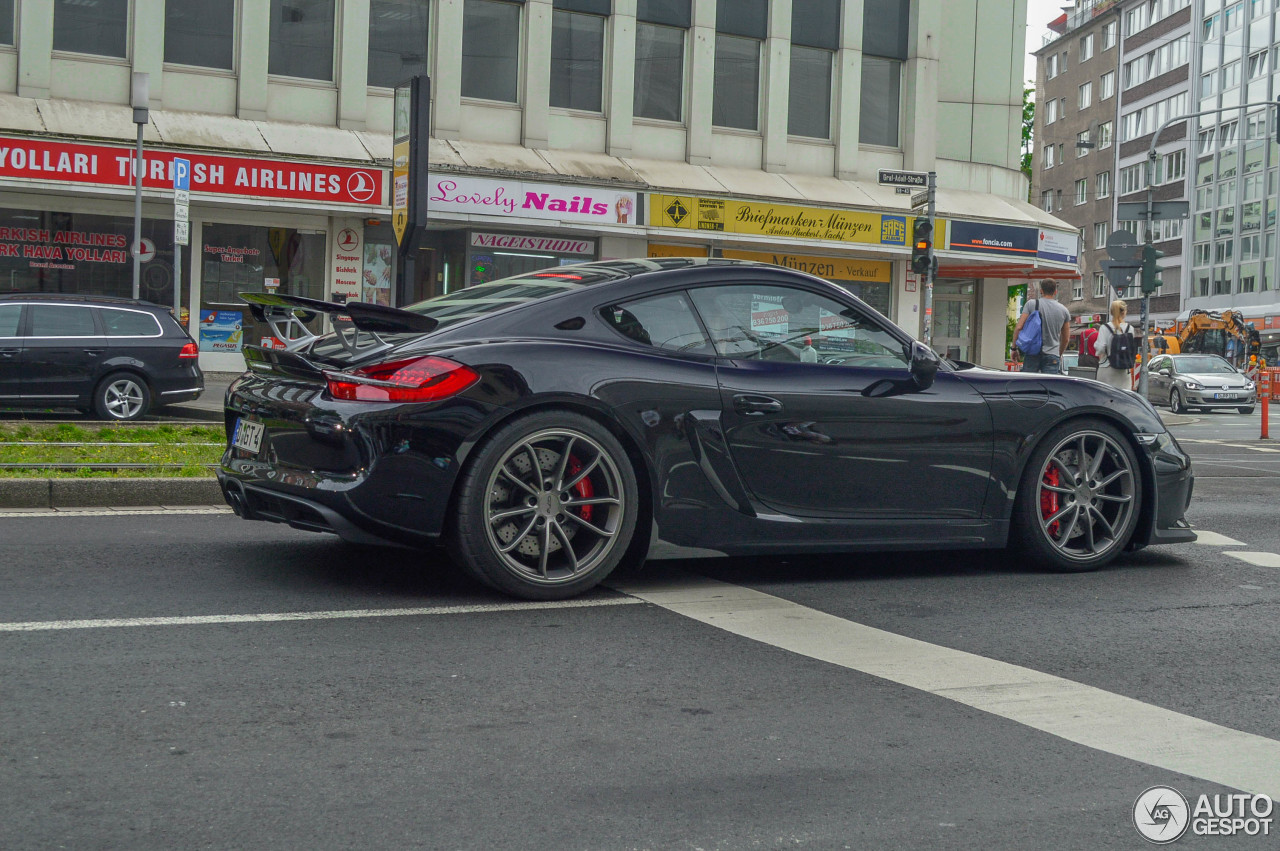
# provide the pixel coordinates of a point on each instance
(356, 324)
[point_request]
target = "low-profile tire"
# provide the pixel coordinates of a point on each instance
(1176, 405)
(546, 508)
(122, 396)
(1247, 409)
(1079, 499)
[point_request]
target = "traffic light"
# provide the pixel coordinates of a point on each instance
(921, 243)
(1150, 272)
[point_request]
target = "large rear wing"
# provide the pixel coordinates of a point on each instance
(357, 324)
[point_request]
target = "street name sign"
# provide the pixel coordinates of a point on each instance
(913, 179)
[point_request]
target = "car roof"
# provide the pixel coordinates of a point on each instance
(76, 298)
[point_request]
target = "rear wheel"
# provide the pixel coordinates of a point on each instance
(1176, 405)
(1080, 496)
(548, 507)
(122, 396)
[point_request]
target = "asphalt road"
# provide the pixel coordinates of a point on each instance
(191, 680)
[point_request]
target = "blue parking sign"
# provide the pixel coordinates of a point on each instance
(181, 174)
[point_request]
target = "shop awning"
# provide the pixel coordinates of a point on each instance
(1004, 270)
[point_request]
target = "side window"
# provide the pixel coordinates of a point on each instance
(60, 320)
(664, 321)
(9, 316)
(129, 323)
(785, 324)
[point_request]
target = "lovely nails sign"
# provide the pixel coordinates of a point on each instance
(518, 199)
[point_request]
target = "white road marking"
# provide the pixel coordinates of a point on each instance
(1259, 559)
(1213, 539)
(272, 617)
(1073, 711)
(1220, 442)
(112, 512)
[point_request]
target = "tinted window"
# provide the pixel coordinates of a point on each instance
(577, 61)
(9, 316)
(100, 28)
(129, 323)
(301, 39)
(60, 320)
(665, 321)
(785, 324)
(200, 32)
(397, 41)
(490, 50)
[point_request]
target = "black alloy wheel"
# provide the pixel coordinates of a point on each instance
(1176, 405)
(1080, 497)
(122, 396)
(547, 508)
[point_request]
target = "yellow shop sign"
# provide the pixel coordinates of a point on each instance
(831, 268)
(757, 218)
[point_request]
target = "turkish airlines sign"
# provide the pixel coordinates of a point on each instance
(108, 165)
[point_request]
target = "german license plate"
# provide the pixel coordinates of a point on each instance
(247, 436)
(1224, 395)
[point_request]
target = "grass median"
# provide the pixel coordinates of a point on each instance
(62, 450)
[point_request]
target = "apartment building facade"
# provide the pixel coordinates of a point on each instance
(562, 130)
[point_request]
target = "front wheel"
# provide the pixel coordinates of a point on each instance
(548, 507)
(1079, 499)
(122, 396)
(1176, 405)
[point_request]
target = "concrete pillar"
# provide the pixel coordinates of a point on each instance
(848, 99)
(701, 83)
(353, 63)
(775, 91)
(446, 70)
(255, 34)
(35, 48)
(535, 132)
(620, 91)
(919, 123)
(147, 47)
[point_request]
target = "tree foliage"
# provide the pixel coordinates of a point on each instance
(1028, 122)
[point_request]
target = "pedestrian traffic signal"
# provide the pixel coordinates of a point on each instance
(1150, 272)
(921, 244)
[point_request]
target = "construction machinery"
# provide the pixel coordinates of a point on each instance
(1211, 332)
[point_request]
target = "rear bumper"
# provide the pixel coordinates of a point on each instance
(251, 502)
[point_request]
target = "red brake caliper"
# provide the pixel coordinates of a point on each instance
(583, 489)
(1049, 499)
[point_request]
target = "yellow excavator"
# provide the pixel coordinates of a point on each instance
(1208, 332)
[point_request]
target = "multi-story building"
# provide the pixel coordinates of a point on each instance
(1074, 138)
(561, 130)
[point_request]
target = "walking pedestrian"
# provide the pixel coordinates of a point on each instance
(1116, 349)
(1055, 330)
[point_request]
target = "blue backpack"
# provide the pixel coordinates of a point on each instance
(1031, 338)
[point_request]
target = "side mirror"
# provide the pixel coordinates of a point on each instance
(924, 365)
(1164, 370)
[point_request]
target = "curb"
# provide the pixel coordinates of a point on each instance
(108, 493)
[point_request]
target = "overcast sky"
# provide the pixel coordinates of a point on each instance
(1039, 13)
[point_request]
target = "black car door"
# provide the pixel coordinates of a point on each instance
(823, 419)
(60, 352)
(10, 351)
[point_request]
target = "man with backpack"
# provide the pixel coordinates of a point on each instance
(1118, 349)
(1048, 330)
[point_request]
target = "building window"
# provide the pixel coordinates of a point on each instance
(1051, 67)
(1083, 144)
(1086, 95)
(1099, 285)
(1175, 166)
(884, 50)
(1048, 156)
(1077, 289)
(1104, 184)
(1101, 230)
(815, 36)
(100, 28)
(1232, 17)
(1086, 48)
(1109, 35)
(397, 41)
(740, 32)
(1046, 200)
(200, 32)
(659, 84)
(1108, 85)
(301, 39)
(1050, 111)
(1258, 64)
(1082, 191)
(490, 50)
(6, 21)
(577, 61)
(1133, 178)
(1104, 135)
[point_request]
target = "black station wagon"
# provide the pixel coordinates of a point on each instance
(115, 357)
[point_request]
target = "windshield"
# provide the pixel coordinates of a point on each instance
(480, 299)
(1200, 365)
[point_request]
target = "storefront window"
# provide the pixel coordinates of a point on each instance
(494, 256)
(42, 251)
(244, 258)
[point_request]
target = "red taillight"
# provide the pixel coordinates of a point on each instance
(189, 351)
(424, 379)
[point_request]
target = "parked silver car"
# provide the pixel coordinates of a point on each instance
(1184, 382)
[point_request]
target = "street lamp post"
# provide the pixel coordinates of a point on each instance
(139, 97)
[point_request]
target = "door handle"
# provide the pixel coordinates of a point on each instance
(745, 403)
(93, 353)
(9, 352)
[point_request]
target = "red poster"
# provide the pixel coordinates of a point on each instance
(75, 162)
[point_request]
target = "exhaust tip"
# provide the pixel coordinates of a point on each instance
(233, 493)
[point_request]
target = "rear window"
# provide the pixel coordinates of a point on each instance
(9, 315)
(59, 320)
(488, 298)
(129, 323)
